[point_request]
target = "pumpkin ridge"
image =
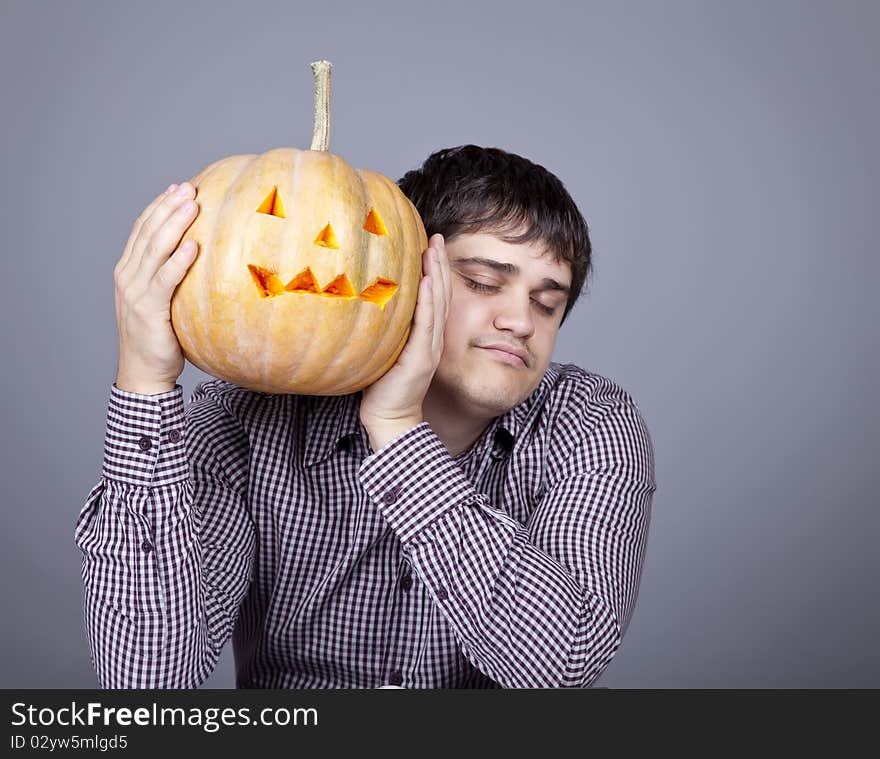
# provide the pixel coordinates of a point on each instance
(204, 281)
(239, 199)
(392, 308)
(363, 318)
(306, 328)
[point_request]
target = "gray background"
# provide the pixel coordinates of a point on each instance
(725, 156)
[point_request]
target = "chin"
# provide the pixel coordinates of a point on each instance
(488, 392)
(491, 401)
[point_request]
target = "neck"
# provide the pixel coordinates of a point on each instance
(457, 428)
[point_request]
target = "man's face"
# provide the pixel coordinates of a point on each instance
(511, 296)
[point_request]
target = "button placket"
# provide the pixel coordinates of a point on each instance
(409, 604)
(144, 554)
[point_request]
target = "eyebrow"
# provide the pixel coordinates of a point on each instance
(507, 268)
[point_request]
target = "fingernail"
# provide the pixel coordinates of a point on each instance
(170, 188)
(183, 189)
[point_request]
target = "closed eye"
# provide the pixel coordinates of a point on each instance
(480, 287)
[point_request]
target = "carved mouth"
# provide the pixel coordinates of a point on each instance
(304, 283)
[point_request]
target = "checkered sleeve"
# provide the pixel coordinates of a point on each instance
(538, 605)
(166, 540)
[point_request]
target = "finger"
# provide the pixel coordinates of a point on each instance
(153, 231)
(172, 272)
(438, 298)
(423, 319)
(440, 245)
(165, 240)
(447, 279)
(145, 227)
(136, 227)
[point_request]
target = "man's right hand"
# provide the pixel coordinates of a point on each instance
(152, 265)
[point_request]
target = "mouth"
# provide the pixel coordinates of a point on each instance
(512, 356)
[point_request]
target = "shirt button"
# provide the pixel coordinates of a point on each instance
(394, 677)
(390, 496)
(146, 546)
(442, 595)
(406, 582)
(345, 444)
(144, 443)
(174, 436)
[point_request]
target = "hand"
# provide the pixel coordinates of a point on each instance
(150, 357)
(393, 404)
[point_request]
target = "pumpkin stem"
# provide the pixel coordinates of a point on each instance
(321, 133)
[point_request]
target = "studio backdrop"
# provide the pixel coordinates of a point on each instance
(725, 157)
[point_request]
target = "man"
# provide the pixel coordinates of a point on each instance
(475, 518)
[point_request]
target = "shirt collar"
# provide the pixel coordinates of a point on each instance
(334, 418)
(504, 431)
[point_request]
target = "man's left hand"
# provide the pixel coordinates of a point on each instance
(393, 404)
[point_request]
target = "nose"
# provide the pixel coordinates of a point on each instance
(514, 315)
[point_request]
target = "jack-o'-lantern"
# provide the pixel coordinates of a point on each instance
(307, 272)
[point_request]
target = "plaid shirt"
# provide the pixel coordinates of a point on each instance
(268, 518)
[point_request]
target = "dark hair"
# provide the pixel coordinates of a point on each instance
(471, 189)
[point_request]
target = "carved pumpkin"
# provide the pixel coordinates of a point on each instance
(307, 273)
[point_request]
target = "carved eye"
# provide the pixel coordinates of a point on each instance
(374, 223)
(272, 205)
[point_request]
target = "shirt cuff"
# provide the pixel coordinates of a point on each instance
(144, 440)
(414, 481)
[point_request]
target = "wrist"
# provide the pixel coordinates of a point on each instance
(141, 387)
(133, 377)
(382, 432)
